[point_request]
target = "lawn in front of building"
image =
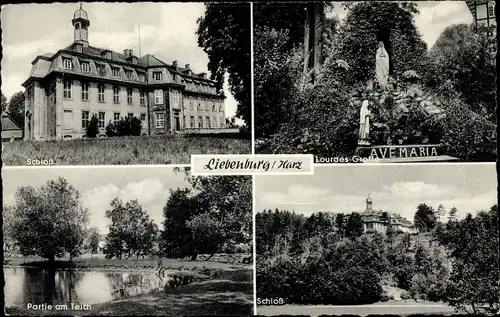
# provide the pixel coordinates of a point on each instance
(159, 149)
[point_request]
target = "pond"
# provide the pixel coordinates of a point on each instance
(39, 286)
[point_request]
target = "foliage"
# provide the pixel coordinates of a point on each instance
(49, 221)
(92, 130)
(223, 33)
(473, 244)
(4, 103)
(354, 227)
(128, 126)
(464, 59)
(131, 230)
(425, 218)
(15, 107)
(94, 240)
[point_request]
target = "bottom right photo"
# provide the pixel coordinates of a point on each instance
(378, 239)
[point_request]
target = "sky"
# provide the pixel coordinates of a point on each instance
(99, 186)
(167, 31)
(393, 188)
(433, 18)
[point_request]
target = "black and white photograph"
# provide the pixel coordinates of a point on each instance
(376, 81)
(126, 241)
(124, 83)
(397, 239)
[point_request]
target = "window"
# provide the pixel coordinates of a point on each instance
(100, 90)
(78, 48)
(116, 71)
(200, 122)
(128, 73)
(141, 77)
(220, 109)
(116, 94)
(191, 125)
(175, 97)
(134, 60)
(67, 89)
(130, 115)
(85, 67)
(158, 97)
(491, 9)
(143, 98)
(85, 119)
(481, 11)
(199, 104)
(101, 69)
(213, 108)
(157, 76)
(129, 96)
(85, 91)
(207, 122)
(160, 120)
(102, 120)
(207, 105)
(221, 122)
(68, 64)
(215, 122)
(116, 117)
(143, 117)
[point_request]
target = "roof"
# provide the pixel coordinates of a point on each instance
(8, 123)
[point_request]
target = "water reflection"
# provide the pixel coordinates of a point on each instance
(37, 286)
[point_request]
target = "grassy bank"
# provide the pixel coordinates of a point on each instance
(229, 291)
(401, 308)
(163, 149)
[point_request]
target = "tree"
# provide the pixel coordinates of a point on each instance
(452, 214)
(340, 220)
(131, 231)
(16, 107)
(425, 218)
(4, 103)
(94, 240)
(92, 130)
(223, 33)
(49, 221)
(393, 23)
(354, 227)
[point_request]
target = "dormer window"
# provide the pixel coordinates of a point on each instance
(116, 71)
(107, 54)
(78, 48)
(85, 67)
(157, 76)
(134, 60)
(128, 73)
(101, 69)
(68, 64)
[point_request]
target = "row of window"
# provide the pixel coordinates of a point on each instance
(101, 116)
(101, 96)
(101, 69)
(190, 122)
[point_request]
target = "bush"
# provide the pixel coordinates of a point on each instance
(405, 295)
(92, 128)
(129, 126)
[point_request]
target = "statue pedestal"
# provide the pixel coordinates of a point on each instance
(404, 153)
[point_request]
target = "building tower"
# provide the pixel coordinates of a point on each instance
(369, 203)
(81, 24)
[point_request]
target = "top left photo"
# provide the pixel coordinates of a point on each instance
(124, 83)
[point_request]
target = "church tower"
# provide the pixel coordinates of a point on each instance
(369, 203)
(81, 24)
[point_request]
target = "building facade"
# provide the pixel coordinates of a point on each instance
(11, 130)
(483, 12)
(64, 90)
(380, 221)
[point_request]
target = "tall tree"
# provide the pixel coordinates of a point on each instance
(452, 214)
(94, 240)
(49, 221)
(340, 223)
(4, 103)
(224, 34)
(354, 227)
(131, 231)
(424, 219)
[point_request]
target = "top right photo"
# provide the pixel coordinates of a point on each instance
(387, 82)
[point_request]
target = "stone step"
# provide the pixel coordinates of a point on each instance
(424, 159)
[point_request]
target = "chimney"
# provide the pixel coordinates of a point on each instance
(131, 52)
(187, 67)
(125, 52)
(175, 64)
(203, 75)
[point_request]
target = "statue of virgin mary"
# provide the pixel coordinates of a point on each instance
(382, 65)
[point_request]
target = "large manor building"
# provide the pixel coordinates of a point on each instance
(379, 221)
(64, 90)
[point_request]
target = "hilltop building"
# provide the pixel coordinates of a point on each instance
(64, 90)
(379, 221)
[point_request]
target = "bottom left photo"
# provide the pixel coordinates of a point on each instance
(126, 241)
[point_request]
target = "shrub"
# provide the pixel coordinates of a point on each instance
(405, 295)
(92, 128)
(129, 126)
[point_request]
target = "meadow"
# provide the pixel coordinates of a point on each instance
(161, 149)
